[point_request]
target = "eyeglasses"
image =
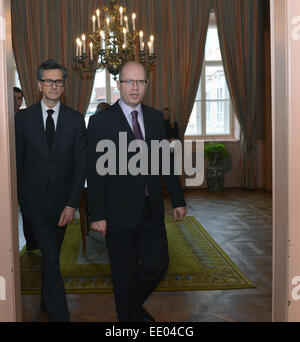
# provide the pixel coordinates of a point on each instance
(49, 83)
(138, 83)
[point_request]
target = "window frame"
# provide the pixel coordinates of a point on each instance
(234, 129)
(108, 91)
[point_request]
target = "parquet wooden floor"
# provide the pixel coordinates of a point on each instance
(241, 223)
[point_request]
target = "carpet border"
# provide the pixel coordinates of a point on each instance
(163, 286)
(222, 252)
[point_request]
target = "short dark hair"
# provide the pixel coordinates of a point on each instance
(51, 64)
(18, 90)
(101, 106)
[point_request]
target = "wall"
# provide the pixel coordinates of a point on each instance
(10, 297)
(232, 175)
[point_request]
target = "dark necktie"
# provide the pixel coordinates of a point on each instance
(136, 126)
(138, 134)
(50, 129)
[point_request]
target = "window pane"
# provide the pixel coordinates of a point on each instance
(218, 118)
(18, 85)
(212, 48)
(195, 125)
(17, 79)
(115, 94)
(98, 93)
(216, 86)
(212, 113)
(198, 95)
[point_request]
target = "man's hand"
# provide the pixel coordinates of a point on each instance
(66, 216)
(100, 226)
(179, 213)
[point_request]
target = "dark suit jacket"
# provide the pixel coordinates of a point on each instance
(58, 176)
(120, 199)
(171, 131)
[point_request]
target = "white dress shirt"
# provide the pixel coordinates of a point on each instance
(127, 110)
(54, 115)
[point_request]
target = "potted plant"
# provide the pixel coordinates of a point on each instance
(215, 154)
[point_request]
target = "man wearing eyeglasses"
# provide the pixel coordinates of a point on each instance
(51, 167)
(128, 209)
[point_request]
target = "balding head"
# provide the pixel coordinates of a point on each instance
(132, 83)
(131, 65)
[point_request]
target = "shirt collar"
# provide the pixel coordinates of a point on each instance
(45, 108)
(127, 110)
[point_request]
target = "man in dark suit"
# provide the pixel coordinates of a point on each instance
(128, 209)
(51, 169)
(171, 128)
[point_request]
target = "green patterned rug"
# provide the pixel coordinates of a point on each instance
(196, 263)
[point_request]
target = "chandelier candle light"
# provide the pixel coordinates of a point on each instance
(113, 42)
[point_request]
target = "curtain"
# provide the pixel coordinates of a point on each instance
(241, 33)
(44, 29)
(180, 29)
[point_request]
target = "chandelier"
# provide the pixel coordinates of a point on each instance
(114, 41)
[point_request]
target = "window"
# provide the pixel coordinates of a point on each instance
(105, 90)
(212, 116)
(17, 84)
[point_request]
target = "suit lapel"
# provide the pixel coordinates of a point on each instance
(147, 124)
(39, 131)
(123, 123)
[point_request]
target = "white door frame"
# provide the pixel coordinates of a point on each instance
(285, 52)
(10, 294)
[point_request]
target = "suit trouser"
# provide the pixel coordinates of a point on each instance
(49, 238)
(139, 259)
